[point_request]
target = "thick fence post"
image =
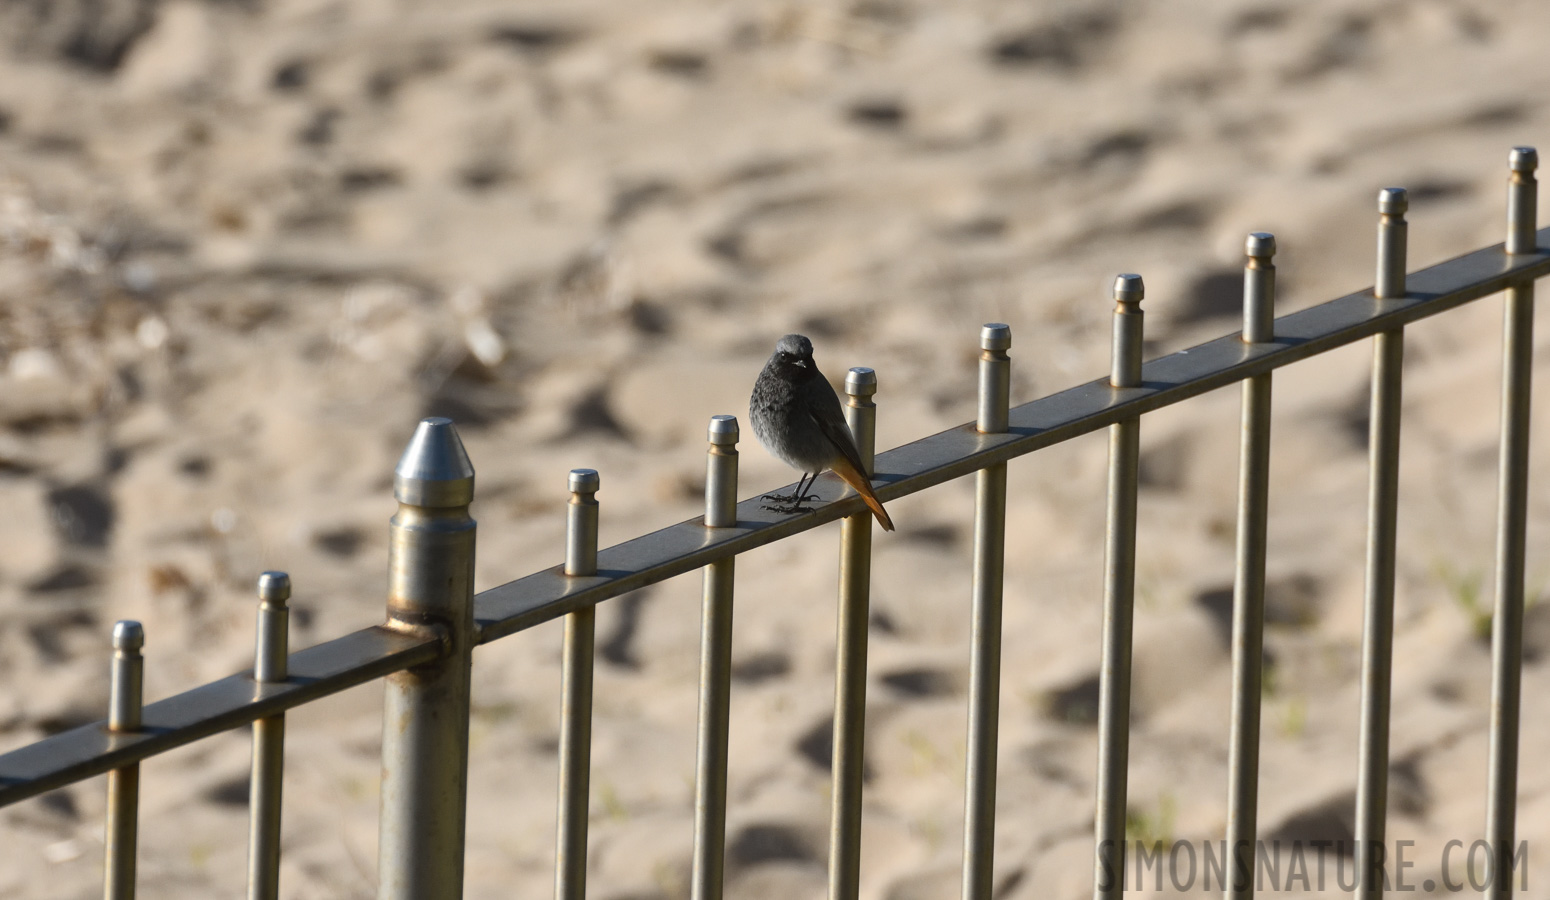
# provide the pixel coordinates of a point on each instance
(264, 790)
(425, 723)
(1511, 530)
(1119, 590)
(121, 834)
(850, 664)
(710, 781)
(1248, 609)
(1382, 521)
(979, 827)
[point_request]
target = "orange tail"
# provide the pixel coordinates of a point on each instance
(855, 479)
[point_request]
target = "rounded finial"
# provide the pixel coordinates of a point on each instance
(274, 587)
(1393, 201)
(1129, 288)
(723, 430)
(434, 470)
(995, 336)
(1260, 244)
(128, 635)
(860, 381)
(1523, 159)
(584, 481)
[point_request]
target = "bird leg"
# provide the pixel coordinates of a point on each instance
(793, 501)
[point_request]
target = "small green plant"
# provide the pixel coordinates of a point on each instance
(1149, 827)
(671, 879)
(1294, 717)
(929, 828)
(358, 788)
(1148, 597)
(613, 807)
(1269, 680)
(199, 855)
(1464, 587)
(497, 712)
(1534, 592)
(925, 757)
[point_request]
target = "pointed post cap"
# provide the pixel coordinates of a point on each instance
(434, 470)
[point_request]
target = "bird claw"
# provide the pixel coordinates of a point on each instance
(792, 499)
(791, 510)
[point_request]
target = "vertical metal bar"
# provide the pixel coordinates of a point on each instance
(570, 871)
(710, 777)
(1248, 614)
(425, 719)
(126, 695)
(1383, 504)
(979, 828)
(1511, 525)
(264, 789)
(850, 665)
(1119, 585)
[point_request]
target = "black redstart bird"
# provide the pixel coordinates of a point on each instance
(797, 417)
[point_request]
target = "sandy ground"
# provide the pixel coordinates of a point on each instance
(245, 245)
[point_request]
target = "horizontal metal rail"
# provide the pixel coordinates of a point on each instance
(234, 701)
(960, 451)
(375, 652)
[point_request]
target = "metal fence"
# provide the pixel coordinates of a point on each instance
(434, 620)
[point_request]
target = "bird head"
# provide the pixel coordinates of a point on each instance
(794, 351)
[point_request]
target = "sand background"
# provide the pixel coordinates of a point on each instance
(246, 245)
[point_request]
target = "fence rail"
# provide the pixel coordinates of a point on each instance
(424, 649)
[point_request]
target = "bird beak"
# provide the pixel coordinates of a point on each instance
(801, 362)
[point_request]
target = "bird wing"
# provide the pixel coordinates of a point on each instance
(847, 465)
(831, 423)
